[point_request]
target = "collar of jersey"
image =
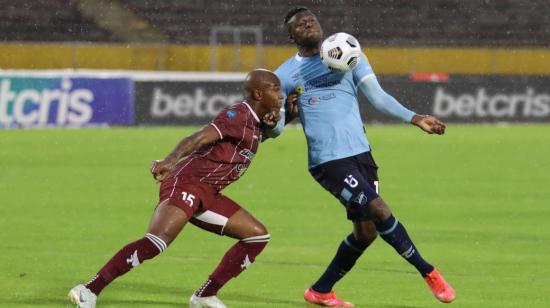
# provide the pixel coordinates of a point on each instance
(252, 110)
(300, 58)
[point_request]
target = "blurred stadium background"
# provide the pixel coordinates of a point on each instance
(476, 200)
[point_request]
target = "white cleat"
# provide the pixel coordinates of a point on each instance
(82, 297)
(205, 302)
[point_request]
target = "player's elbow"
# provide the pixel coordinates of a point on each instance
(200, 140)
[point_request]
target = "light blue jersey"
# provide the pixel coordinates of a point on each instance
(329, 107)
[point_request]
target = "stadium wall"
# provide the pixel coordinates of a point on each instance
(386, 61)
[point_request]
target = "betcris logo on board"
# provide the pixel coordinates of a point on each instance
(483, 103)
(39, 102)
(197, 103)
(183, 103)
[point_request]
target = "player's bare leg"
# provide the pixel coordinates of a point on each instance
(165, 225)
(243, 225)
(394, 233)
(167, 221)
(253, 238)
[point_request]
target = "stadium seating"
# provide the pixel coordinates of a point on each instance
(378, 22)
(47, 21)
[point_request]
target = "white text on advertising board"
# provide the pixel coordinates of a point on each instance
(197, 104)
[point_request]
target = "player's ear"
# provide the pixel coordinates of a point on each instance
(291, 38)
(257, 94)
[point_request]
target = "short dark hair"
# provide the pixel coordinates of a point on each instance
(293, 11)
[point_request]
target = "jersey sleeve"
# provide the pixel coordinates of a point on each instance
(230, 123)
(362, 70)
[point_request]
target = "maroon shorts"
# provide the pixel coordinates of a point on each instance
(207, 208)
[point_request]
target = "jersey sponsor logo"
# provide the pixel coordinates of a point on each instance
(499, 105)
(246, 153)
(313, 101)
(316, 100)
(231, 113)
(361, 199)
(241, 169)
(323, 81)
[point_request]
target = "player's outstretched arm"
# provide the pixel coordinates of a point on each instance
(429, 124)
(382, 101)
(207, 135)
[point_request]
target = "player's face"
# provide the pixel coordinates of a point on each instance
(306, 30)
(273, 99)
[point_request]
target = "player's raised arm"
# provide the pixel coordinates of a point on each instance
(387, 104)
(382, 101)
(207, 135)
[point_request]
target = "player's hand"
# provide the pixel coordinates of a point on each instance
(429, 124)
(292, 105)
(271, 118)
(161, 169)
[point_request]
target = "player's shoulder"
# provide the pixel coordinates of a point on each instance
(236, 111)
(286, 67)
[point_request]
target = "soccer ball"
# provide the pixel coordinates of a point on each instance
(340, 52)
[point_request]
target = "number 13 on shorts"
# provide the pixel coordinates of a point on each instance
(188, 198)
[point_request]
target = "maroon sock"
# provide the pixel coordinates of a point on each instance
(125, 259)
(236, 259)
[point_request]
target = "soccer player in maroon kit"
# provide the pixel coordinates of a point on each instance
(191, 177)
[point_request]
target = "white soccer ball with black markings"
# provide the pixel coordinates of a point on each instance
(341, 52)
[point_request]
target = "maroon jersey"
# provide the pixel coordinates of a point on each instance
(225, 161)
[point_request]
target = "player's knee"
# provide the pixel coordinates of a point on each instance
(258, 230)
(379, 210)
(366, 238)
(256, 234)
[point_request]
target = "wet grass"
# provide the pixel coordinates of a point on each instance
(476, 202)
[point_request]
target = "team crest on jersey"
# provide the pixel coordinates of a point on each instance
(299, 89)
(231, 113)
(247, 154)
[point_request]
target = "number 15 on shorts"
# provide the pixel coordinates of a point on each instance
(188, 198)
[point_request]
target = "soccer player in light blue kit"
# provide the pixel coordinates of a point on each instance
(340, 156)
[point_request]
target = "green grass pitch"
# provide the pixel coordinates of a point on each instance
(476, 201)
